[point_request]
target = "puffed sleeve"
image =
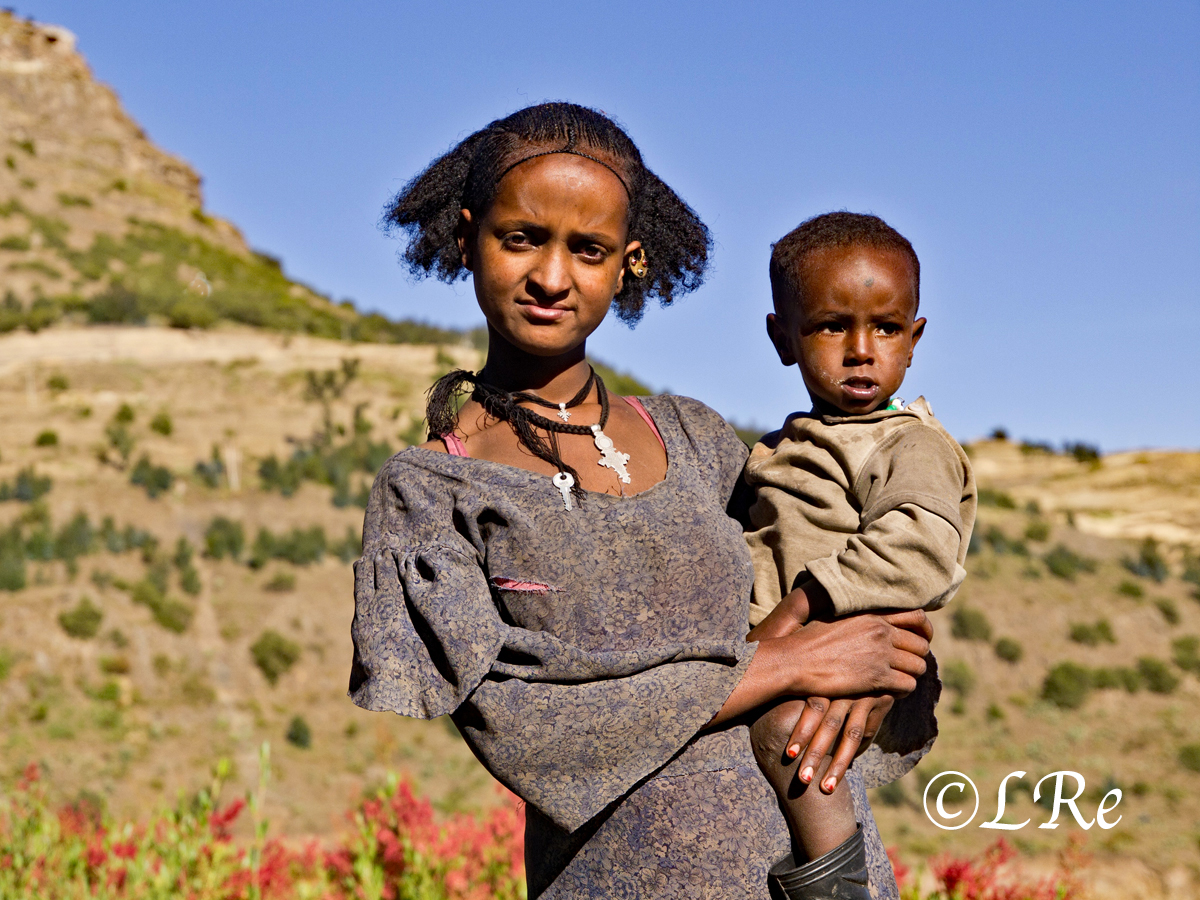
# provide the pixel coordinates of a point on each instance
(425, 628)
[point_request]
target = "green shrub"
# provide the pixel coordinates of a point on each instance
(970, 624)
(999, 499)
(892, 794)
(211, 472)
(1129, 588)
(18, 242)
(27, 487)
(162, 424)
(281, 582)
(1169, 610)
(12, 568)
(958, 677)
(120, 440)
(1093, 635)
(1149, 563)
(114, 665)
(155, 479)
(1067, 685)
(349, 548)
(74, 200)
(189, 580)
(1157, 675)
(1000, 543)
(298, 733)
(1118, 677)
(1065, 563)
(1083, 453)
(1185, 652)
(124, 415)
(81, 621)
(47, 438)
(1009, 650)
(1037, 530)
(300, 546)
(1189, 757)
(274, 655)
(57, 383)
(224, 537)
(170, 614)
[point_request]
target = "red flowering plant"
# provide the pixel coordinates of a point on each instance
(397, 850)
(980, 878)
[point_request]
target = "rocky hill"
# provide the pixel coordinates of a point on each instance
(97, 224)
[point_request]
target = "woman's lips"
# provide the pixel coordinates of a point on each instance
(536, 313)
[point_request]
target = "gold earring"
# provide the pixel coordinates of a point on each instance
(637, 263)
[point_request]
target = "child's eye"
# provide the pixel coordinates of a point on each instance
(831, 328)
(890, 328)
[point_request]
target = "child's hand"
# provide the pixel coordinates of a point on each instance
(808, 601)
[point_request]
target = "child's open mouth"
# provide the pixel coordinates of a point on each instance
(860, 389)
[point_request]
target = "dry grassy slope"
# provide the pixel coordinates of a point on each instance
(240, 389)
(1131, 739)
(244, 389)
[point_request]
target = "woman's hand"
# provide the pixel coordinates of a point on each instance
(855, 721)
(852, 657)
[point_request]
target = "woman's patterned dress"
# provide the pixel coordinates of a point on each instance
(580, 653)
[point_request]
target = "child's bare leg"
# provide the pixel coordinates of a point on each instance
(819, 822)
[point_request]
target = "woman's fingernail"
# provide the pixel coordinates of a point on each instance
(793, 751)
(830, 784)
(806, 774)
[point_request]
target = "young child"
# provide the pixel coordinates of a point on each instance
(863, 503)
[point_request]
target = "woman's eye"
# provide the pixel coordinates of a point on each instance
(516, 239)
(593, 252)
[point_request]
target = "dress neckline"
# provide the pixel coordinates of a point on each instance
(506, 468)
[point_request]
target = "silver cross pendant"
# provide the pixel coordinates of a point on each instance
(610, 456)
(562, 412)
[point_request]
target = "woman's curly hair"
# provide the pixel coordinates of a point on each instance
(427, 210)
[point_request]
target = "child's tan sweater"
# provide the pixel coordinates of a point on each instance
(877, 508)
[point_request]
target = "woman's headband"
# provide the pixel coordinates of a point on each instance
(525, 159)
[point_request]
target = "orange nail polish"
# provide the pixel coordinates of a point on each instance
(793, 751)
(807, 774)
(830, 784)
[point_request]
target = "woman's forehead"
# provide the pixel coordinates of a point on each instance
(562, 183)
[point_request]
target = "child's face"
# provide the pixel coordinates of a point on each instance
(853, 332)
(549, 254)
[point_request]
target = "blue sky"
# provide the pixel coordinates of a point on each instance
(1044, 159)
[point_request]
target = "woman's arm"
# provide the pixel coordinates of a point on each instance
(863, 654)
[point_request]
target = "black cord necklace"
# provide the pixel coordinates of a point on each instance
(442, 416)
(526, 397)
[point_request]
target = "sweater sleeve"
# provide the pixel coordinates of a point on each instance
(906, 554)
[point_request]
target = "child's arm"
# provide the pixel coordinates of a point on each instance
(807, 602)
(909, 547)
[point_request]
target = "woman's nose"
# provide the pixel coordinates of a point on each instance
(551, 274)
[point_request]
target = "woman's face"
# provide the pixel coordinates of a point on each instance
(549, 254)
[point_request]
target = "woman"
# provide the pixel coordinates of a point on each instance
(555, 567)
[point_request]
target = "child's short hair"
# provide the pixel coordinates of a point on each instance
(836, 229)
